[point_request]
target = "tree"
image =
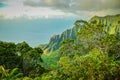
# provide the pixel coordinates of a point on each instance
(8, 56)
(10, 75)
(7, 48)
(22, 48)
(31, 63)
(102, 58)
(93, 66)
(39, 50)
(67, 48)
(110, 44)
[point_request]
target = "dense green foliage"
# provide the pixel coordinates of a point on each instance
(20, 56)
(93, 55)
(111, 25)
(50, 60)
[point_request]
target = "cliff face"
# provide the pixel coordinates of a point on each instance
(55, 40)
(112, 24)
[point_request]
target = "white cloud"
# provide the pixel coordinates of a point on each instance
(76, 4)
(59, 8)
(17, 9)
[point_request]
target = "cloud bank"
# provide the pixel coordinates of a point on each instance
(89, 5)
(58, 8)
(78, 7)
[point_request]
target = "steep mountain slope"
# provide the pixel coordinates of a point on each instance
(55, 40)
(112, 24)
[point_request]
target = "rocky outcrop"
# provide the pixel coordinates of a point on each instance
(55, 40)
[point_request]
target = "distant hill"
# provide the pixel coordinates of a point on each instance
(112, 23)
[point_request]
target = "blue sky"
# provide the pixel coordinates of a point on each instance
(35, 21)
(33, 31)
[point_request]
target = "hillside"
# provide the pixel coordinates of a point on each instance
(93, 53)
(112, 24)
(55, 40)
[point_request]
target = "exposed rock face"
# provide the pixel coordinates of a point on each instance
(55, 40)
(112, 24)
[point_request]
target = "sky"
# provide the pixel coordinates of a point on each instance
(35, 21)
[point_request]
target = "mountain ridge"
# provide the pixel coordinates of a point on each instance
(112, 23)
(55, 40)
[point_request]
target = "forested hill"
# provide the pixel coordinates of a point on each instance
(93, 53)
(111, 23)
